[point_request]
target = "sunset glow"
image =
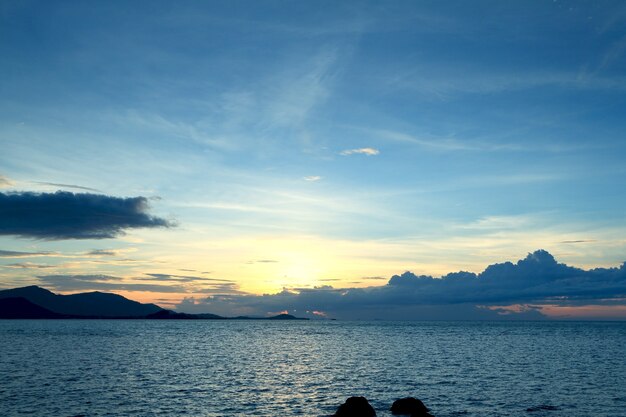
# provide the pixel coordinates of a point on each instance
(177, 155)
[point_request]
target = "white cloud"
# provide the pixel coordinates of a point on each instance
(500, 222)
(364, 151)
(312, 178)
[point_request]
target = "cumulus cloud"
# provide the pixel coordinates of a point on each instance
(534, 281)
(363, 151)
(353, 303)
(66, 215)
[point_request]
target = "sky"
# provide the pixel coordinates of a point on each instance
(268, 156)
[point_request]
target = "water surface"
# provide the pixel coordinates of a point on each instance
(264, 368)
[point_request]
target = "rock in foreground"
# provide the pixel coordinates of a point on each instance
(355, 407)
(410, 406)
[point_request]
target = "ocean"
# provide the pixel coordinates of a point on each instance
(308, 368)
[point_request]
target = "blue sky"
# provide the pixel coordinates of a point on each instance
(338, 141)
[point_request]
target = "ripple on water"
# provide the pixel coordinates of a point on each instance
(215, 368)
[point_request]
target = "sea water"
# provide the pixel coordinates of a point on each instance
(308, 368)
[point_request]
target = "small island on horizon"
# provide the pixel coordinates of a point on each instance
(34, 302)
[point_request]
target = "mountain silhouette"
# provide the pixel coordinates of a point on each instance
(34, 302)
(92, 304)
(21, 308)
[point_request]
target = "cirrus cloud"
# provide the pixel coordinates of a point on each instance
(20, 254)
(363, 151)
(5, 182)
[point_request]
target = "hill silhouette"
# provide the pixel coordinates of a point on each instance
(93, 304)
(21, 308)
(34, 302)
(284, 317)
(172, 315)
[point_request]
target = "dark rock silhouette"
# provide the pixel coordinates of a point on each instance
(172, 315)
(21, 308)
(278, 317)
(542, 408)
(92, 304)
(410, 406)
(209, 316)
(355, 407)
(285, 317)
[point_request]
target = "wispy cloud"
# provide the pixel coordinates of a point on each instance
(76, 187)
(302, 88)
(444, 143)
(103, 282)
(500, 223)
(193, 270)
(182, 278)
(29, 265)
(102, 252)
(18, 254)
(312, 178)
(579, 241)
(194, 131)
(613, 54)
(262, 261)
(486, 81)
(362, 151)
(449, 144)
(5, 182)
(157, 283)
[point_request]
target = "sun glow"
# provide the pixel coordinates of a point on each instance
(301, 269)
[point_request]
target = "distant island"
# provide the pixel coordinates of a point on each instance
(34, 302)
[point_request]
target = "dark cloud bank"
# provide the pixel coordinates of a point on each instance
(160, 283)
(102, 283)
(535, 281)
(66, 215)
